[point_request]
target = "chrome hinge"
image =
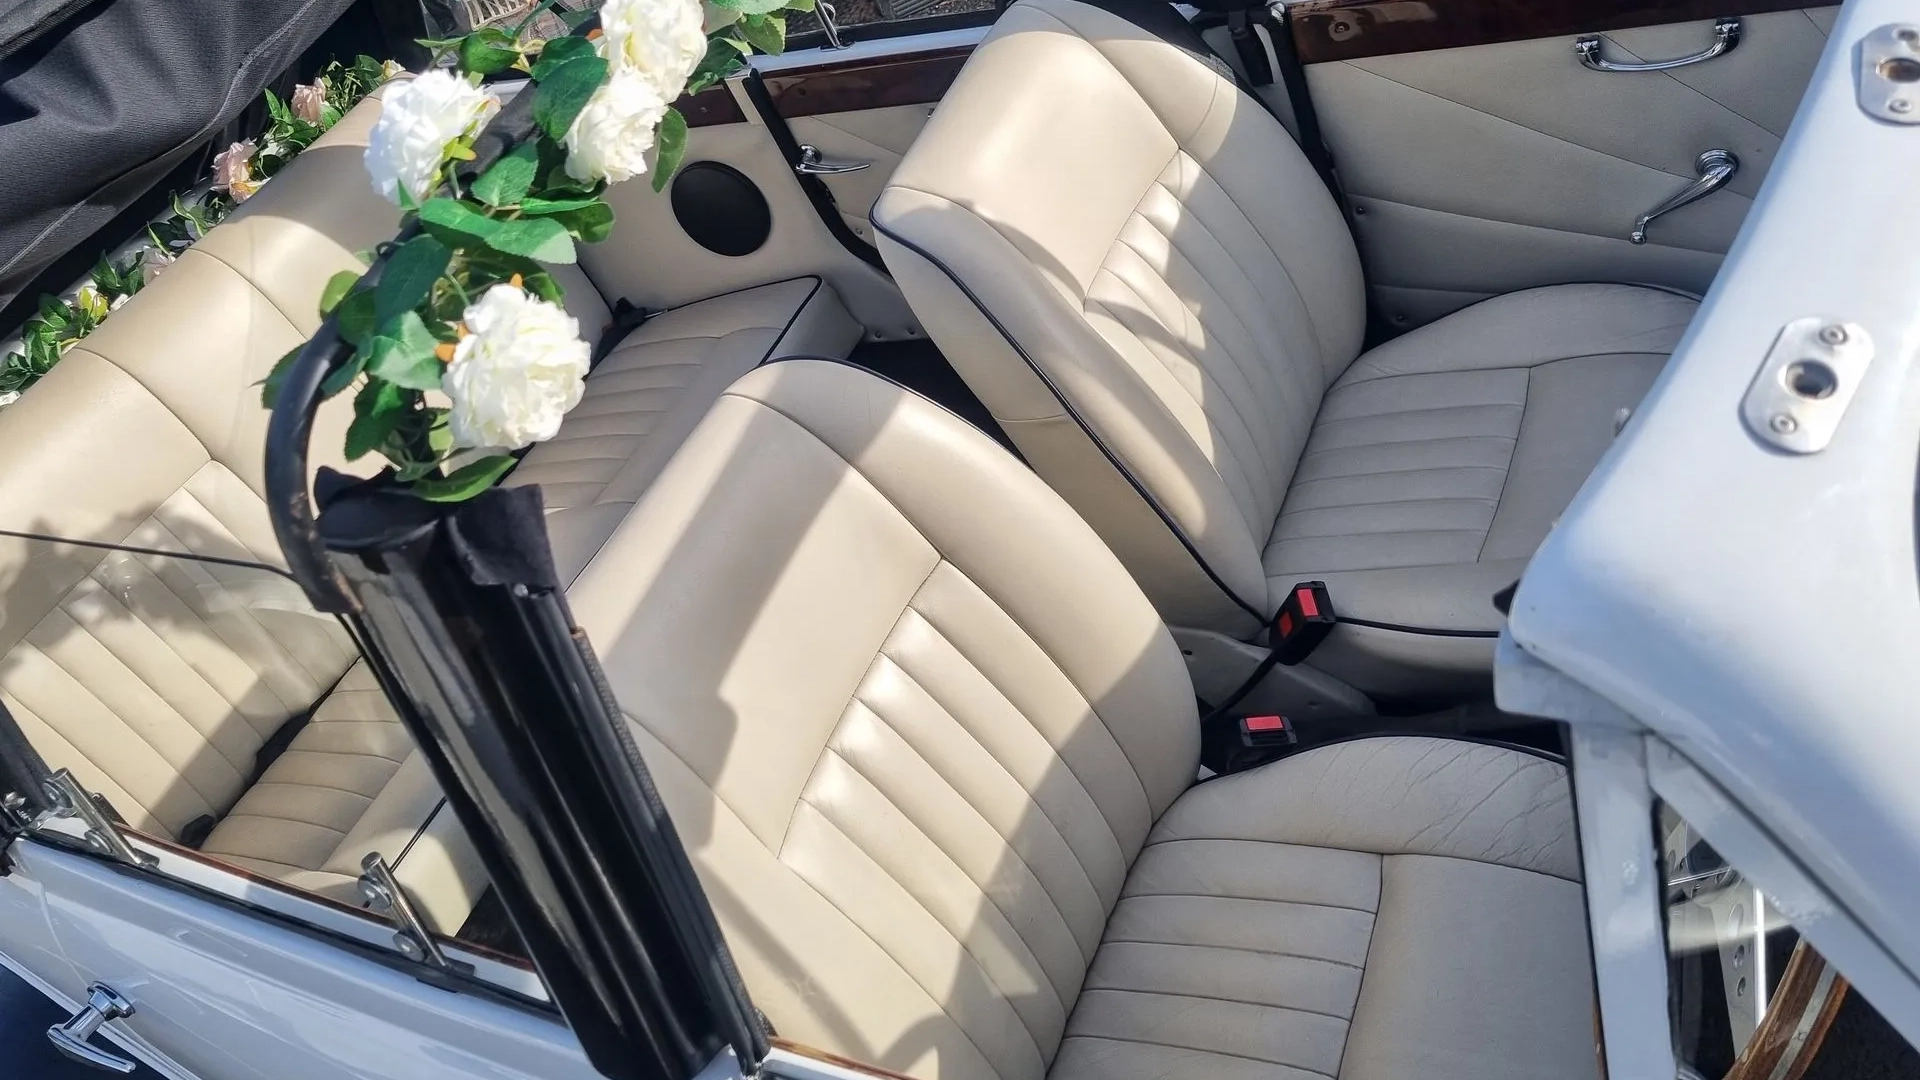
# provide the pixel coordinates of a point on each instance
(1805, 383)
(829, 24)
(383, 893)
(75, 1037)
(70, 800)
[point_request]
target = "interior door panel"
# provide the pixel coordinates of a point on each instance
(1481, 169)
(878, 136)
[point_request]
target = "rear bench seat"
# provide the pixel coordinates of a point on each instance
(158, 682)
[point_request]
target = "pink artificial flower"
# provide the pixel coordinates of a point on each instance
(310, 101)
(232, 170)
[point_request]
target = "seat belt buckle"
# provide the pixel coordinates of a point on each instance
(1264, 732)
(1304, 620)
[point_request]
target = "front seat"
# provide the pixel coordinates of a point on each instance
(1135, 268)
(933, 754)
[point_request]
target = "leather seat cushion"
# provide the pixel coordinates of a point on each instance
(1439, 460)
(352, 782)
(1386, 907)
(645, 397)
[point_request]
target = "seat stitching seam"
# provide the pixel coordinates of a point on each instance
(1145, 799)
(1007, 1000)
(1200, 1050)
(1031, 801)
(1212, 997)
(1369, 473)
(1312, 323)
(305, 786)
(1391, 502)
(1249, 899)
(1392, 531)
(110, 710)
(1513, 453)
(276, 817)
(20, 708)
(1007, 843)
(1373, 934)
(1231, 948)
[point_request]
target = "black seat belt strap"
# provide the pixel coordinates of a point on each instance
(1293, 76)
(1253, 54)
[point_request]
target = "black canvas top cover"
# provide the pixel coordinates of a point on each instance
(100, 99)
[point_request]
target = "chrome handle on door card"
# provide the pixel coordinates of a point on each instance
(1726, 35)
(75, 1037)
(812, 164)
(1716, 168)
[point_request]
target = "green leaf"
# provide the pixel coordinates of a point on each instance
(560, 51)
(670, 145)
(277, 109)
(591, 223)
(559, 96)
(402, 354)
(460, 225)
(270, 386)
(336, 290)
(377, 410)
(487, 50)
(354, 316)
(509, 179)
(802, 5)
(750, 7)
(465, 482)
(344, 375)
(409, 276)
(768, 33)
(542, 284)
(535, 207)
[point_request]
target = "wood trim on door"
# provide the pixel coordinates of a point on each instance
(911, 79)
(714, 105)
(1325, 30)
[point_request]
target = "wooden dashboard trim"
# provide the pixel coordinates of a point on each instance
(912, 79)
(714, 105)
(1325, 30)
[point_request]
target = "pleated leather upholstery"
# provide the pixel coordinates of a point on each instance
(926, 745)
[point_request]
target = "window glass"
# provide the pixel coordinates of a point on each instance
(1747, 998)
(889, 13)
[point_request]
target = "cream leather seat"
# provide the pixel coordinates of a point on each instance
(1135, 268)
(159, 681)
(933, 755)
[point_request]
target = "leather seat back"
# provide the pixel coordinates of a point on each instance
(1139, 273)
(911, 761)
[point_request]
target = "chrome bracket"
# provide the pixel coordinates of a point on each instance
(75, 1037)
(1805, 383)
(383, 894)
(1726, 37)
(1889, 78)
(69, 799)
(829, 24)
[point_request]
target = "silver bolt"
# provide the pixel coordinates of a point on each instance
(1900, 105)
(1833, 334)
(1782, 424)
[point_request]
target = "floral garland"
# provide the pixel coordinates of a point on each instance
(239, 171)
(465, 309)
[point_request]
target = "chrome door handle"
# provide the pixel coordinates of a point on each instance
(812, 164)
(1716, 168)
(1726, 35)
(74, 1038)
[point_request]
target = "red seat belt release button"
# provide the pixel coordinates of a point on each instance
(1304, 620)
(1266, 731)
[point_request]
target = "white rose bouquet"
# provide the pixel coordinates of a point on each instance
(463, 309)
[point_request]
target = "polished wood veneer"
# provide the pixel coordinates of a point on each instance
(1326, 30)
(914, 79)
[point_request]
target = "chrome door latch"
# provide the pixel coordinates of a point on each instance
(75, 1037)
(1716, 167)
(1889, 79)
(812, 163)
(1726, 37)
(70, 799)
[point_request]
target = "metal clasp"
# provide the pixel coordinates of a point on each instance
(1889, 76)
(383, 893)
(1726, 36)
(1716, 167)
(74, 1038)
(1805, 383)
(829, 24)
(69, 799)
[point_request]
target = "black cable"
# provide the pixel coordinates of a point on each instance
(137, 550)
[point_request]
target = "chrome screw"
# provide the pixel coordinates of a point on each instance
(1782, 424)
(1900, 105)
(1833, 335)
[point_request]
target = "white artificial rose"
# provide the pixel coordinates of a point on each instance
(391, 70)
(663, 40)
(418, 118)
(610, 138)
(515, 374)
